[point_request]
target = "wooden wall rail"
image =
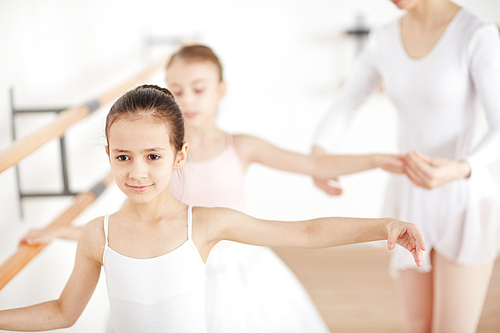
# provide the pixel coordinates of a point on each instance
(21, 148)
(25, 253)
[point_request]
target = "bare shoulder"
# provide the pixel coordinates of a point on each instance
(244, 140)
(94, 228)
(246, 146)
(92, 238)
(206, 214)
(214, 217)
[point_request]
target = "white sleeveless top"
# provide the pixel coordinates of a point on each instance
(160, 294)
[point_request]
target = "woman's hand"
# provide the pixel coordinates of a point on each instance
(390, 163)
(432, 172)
(408, 236)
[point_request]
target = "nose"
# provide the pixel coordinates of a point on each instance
(138, 170)
(186, 99)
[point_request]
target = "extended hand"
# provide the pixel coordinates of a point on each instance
(329, 186)
(432, 172)
(409, 236)
(39, 236)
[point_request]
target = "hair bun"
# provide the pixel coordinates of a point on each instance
(155, 87)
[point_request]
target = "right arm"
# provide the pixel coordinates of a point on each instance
(64, 311)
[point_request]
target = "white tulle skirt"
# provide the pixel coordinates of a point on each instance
(250, 290)
(460, 220)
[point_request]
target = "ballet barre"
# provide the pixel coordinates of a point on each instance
(21, 148)
(25, 253)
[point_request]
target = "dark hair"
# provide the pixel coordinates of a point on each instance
(197, 52)
(153, 101)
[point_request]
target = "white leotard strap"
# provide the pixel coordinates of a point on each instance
(190, 222)
(106, 224)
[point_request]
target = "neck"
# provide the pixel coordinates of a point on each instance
(152, 211)
(431, 12)
(197, 136)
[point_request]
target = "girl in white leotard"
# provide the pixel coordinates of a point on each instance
(436, 63)
(249, 289)
(154, 247)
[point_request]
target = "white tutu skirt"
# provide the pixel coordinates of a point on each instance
(250, 290)
(460, 220)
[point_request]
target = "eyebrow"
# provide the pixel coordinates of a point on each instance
(117, 150)
(201, 80)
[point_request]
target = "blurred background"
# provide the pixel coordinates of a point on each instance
(284, 62)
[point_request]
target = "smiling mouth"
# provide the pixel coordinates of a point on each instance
(139, 189)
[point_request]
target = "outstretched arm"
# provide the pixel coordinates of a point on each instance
(316, 233)
(350, 164)
(64, 311)
(321, 166)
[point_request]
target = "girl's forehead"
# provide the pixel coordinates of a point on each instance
(133, 130)
(192, 68)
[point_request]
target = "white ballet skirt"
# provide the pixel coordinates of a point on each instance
(437, 99)
(249, 289)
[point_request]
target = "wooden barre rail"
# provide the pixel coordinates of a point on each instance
(21, 148)
(25, 253)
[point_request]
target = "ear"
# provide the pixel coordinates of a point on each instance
(181, 157)
(107, 152)
(222, 89)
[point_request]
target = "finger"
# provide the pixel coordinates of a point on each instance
(334, 183)
(418, 164)
(420, 241)
(330, 190)
(414, 178)
(419, 170)
(392, 239)
(425, 158)
(333, 191)
(417, 256)
(419, 246)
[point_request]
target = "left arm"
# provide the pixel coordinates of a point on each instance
(316, 233)
(484, 55)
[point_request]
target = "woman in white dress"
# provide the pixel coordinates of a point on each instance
(436, 63)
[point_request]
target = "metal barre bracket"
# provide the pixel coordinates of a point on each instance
(93, 105)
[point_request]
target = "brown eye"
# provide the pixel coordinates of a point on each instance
(153, 157)
(123, 158)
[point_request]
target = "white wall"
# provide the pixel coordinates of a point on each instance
(284, 61)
